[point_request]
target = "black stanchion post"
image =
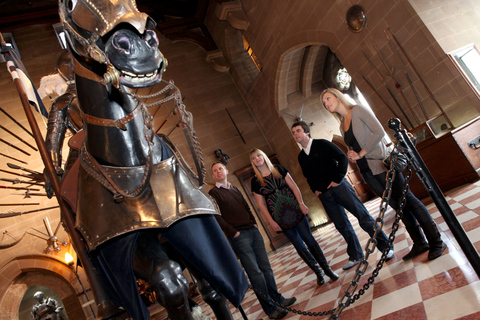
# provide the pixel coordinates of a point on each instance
(437, 195)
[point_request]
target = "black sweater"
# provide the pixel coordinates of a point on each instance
(236, 214)
(325, 163)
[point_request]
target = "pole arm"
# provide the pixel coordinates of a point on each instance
(105, 308)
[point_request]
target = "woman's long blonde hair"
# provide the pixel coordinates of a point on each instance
(340, 96)
(269, 164)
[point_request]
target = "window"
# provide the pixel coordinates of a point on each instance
(467, 60)
(252, 54)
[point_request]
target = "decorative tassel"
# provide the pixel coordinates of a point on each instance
(52, 85)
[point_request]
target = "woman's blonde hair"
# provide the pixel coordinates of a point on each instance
(269, 164)
(340, 96)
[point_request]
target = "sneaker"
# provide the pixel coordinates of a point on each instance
(390, 255)
(278, 314)
(288, 302)
(350, 264)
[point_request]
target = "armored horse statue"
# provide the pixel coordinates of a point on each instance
(134, 186)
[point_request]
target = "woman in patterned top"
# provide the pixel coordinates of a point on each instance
(280, 202)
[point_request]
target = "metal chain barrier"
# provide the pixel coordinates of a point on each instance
(349, 296)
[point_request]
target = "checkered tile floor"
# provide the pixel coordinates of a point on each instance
(443, 289)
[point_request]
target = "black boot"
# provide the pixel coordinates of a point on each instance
(420, 245)
(312, 263)
(437, 246)
(317, 253)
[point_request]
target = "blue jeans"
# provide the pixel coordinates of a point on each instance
(414, 209)
(250, 249)
(335, 200)
(301, 235)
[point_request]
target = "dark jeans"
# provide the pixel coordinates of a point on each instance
(335, 200)
(250, 249)
(301, 235)
(414, 209)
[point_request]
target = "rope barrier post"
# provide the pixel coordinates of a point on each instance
(244, 315)
(437, 195)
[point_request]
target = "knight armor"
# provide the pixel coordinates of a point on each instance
(171, 194)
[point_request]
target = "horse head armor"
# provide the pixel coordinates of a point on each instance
(130, 53)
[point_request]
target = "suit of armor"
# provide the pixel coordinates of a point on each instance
(45, 308)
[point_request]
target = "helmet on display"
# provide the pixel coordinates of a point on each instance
(86, 21)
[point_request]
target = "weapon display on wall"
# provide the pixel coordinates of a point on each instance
(15, 147)
(10, 157)
(36, 174)
(17, 213)
(19, 204)
(24, 175)
(389, 91)
(420, 77)
(20, 139)
(11, 244)
(236, 128)
(410, 82)
(15, 121)
(391, 74)
(380, 96)
(19, 188)
(15, 181)
(67, 215)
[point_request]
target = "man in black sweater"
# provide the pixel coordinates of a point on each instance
(240, 227)
(325, 165)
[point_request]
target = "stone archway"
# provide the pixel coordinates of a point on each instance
(20, 273)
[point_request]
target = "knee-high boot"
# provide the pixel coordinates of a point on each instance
(322, 261)
(312, 263)
(419, 243)
(437, 246)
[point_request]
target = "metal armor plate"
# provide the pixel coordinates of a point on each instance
(170, 196)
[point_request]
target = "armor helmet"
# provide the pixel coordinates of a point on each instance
(86, 21)
(38, 295)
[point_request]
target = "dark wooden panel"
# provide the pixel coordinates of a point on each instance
(446, 161)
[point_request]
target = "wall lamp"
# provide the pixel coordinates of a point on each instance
(222, 157)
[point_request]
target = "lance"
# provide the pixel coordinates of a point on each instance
(391, 73)
(9, 157)
(420, 77)
(24, 175)
(15, 147)
(19, 188)
(34, 173)
(15, 121)
(389, 91)
(20, 139)
(105, 308)
(29, 194)
(380, 96)
(15, 181)
(17, 213)
(19, 204)
(410, 82)
(239, 133)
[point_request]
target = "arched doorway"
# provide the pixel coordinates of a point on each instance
(22, 273)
